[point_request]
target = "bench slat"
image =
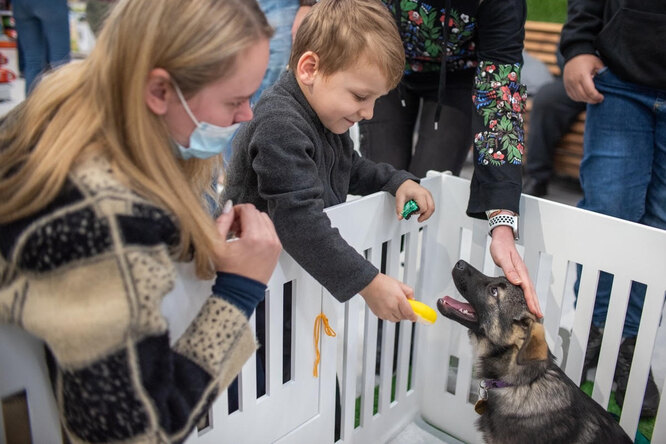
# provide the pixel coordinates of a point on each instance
(542, 41)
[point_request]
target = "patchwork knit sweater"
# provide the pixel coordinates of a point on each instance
(87, 275)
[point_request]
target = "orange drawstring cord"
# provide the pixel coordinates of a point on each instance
(328, 330)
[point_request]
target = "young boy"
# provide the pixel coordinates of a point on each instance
(296, 158)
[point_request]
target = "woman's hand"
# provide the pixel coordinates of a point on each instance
(504, 253)
(255, 249)
(412, 190)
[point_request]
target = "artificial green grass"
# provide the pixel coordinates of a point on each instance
(547, 11)
(357, 417)
(645, 425)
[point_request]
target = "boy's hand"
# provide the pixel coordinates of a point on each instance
(387, 298)
(412, 190)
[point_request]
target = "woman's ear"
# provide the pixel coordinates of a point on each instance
(307, 67)
(158, 88)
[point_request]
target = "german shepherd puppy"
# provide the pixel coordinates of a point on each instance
(528, 398)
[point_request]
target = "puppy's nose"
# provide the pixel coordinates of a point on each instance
(461, 264)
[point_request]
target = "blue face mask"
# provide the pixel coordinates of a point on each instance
(206, 140)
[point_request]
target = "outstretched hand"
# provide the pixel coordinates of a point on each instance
(412, 190)
(504, 253)
(255, 248)
(387, 298)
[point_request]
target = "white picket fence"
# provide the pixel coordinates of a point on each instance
(433, 364)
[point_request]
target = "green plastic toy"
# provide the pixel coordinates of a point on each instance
(409, 208)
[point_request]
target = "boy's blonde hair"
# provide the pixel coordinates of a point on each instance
(98, 105)
(344, 32)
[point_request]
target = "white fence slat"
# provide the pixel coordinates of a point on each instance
(369, 360)
(386, 366)
(554, 306)
(660, 422)
(23, 367)
(348, 386)
(369, 351)
(274, 340)
(647, 332)
(611, 341)
(582, 323)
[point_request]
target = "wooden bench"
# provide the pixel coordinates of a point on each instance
(541, 41)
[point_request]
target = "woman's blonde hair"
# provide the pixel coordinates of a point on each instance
(98, 105)
(345, 32)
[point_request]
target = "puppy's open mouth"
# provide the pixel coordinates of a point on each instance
(458, 311)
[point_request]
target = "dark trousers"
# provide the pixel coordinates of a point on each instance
(389, 135)
(551, 117)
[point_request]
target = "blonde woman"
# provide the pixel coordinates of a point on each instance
(103, 176)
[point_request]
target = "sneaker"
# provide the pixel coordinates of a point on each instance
(621, 378)
(592, 351)
(535, 187)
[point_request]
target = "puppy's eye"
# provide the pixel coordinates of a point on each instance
(494, 292)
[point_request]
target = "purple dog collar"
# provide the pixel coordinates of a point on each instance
(487, 384)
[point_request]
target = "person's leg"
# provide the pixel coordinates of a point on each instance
(551, 116)
(280, 14)
(54, 18)
(444, 148)
(616, 174)
(655, 204)
(29, 31)
(388, 136)
(617, 162)
(654, 209)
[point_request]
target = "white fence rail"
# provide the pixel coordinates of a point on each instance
(387, 374)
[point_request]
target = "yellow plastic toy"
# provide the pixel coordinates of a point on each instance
(426, 314)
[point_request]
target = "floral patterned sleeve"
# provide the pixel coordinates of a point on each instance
(499, 98)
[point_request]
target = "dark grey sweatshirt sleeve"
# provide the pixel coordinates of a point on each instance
(288, 180)
(369, 177)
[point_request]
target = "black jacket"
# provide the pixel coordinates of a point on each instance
(485, 37)
(628, 35)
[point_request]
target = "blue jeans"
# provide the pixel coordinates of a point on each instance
(623, 171)
(280, 14)
(42, 27)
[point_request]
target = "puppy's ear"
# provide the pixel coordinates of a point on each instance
(534, 348)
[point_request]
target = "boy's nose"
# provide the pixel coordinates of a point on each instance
(367, 112)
